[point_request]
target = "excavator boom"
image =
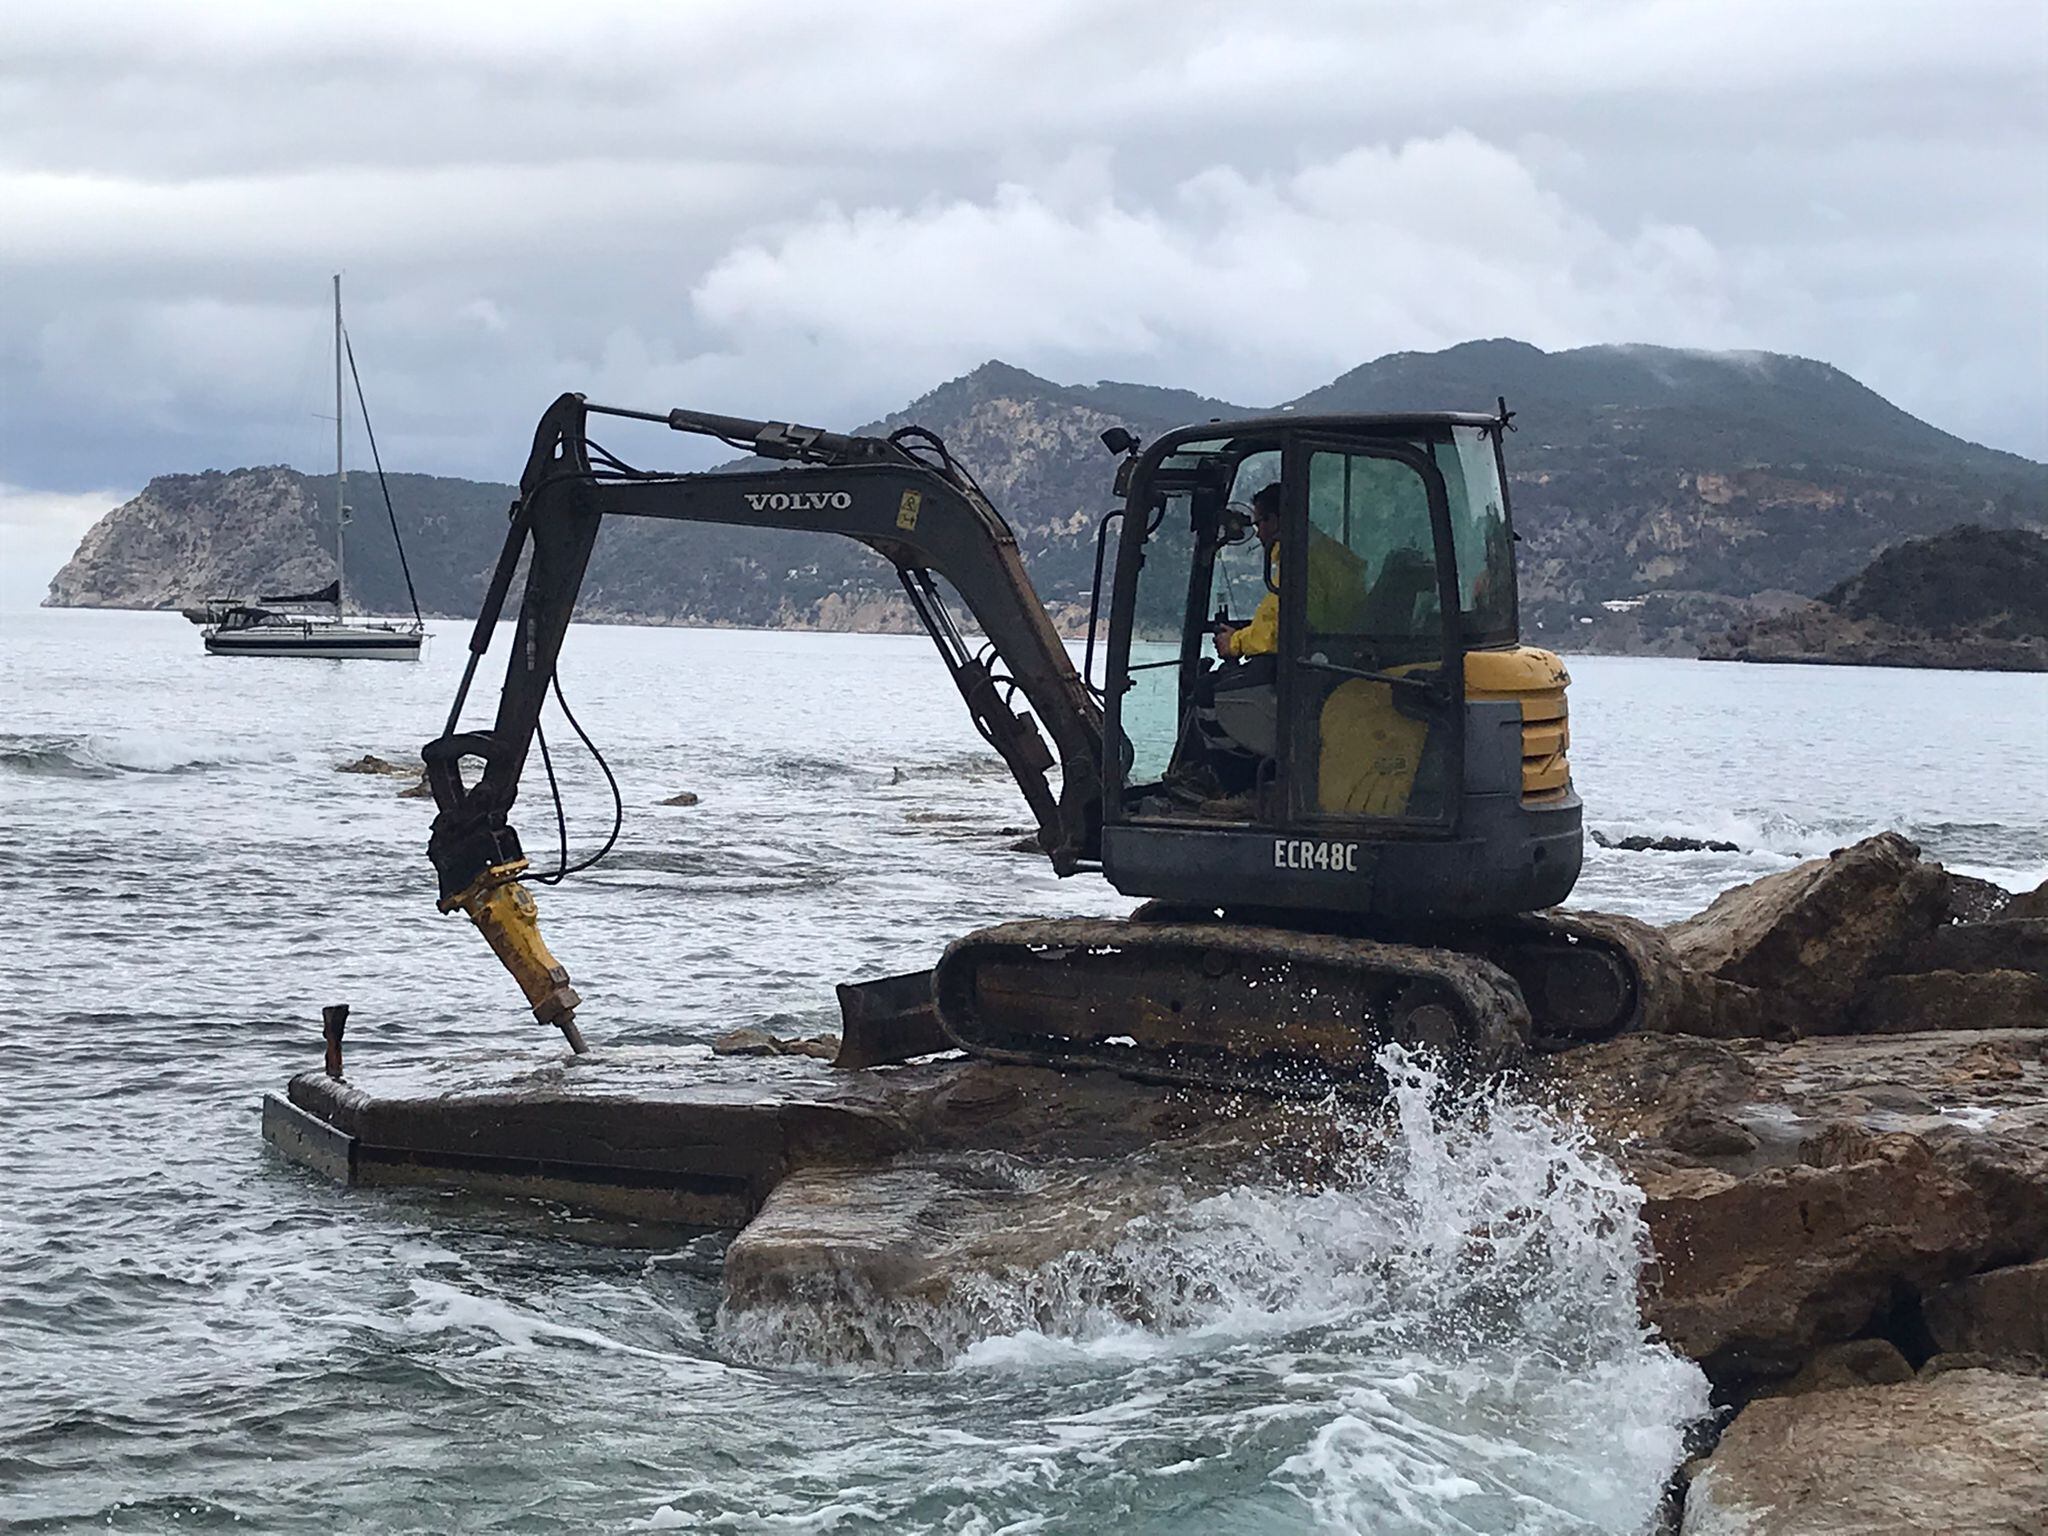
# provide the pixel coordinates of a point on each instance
(902, 496)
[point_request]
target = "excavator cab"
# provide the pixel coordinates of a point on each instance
(1383, 747)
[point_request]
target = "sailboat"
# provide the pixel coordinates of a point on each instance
(277, 626)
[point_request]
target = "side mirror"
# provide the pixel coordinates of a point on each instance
(1117, 440)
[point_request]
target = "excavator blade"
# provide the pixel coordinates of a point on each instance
(887, 1021)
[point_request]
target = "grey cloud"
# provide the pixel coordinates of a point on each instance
(809, 215)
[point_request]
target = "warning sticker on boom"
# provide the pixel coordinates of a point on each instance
(907, 510)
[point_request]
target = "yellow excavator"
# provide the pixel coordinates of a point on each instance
(1349, 817)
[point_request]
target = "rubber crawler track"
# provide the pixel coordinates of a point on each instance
(1222, 1005)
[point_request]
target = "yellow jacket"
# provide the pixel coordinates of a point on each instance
(1336, 599)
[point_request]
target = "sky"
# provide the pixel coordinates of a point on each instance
(818, 212)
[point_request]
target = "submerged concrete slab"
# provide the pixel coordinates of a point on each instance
(667, 1134)
(677, 1134)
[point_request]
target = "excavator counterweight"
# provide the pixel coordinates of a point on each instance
(1318, 746)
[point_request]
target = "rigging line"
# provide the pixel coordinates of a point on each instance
(371, 433)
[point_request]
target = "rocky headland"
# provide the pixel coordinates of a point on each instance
(1973, 599)
(1829, 1135)
(1662, 496)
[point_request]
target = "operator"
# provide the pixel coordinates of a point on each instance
(1246, 708)
(1336, 587)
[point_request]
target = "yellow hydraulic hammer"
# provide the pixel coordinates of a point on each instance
(510, 919)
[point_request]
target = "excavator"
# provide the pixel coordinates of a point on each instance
(1350, 821)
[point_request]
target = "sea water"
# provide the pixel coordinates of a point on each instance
(195, 1335)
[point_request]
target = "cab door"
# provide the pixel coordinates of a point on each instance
(1371, 675)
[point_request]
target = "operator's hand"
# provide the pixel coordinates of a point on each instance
(1221, 632)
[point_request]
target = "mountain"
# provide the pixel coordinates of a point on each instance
(1032, 444)
(1972, 598)
(271, 529)
(1662, 496)
(1646, 474)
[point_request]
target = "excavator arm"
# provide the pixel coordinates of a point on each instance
(902, 496)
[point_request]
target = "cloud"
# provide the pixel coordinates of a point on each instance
(677, 205)
(38, 532)
(1252, 288)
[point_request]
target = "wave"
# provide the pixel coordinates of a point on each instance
(1790, 838)
(1447, 1318)
(111, 755)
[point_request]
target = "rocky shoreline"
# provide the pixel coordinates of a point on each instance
(1970, 599)
(1826, 1144)
(1838, 1119)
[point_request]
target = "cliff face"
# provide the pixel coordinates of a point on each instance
(1662, 496)
(1971, 598)
(189, 537)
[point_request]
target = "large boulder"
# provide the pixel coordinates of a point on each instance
(1797, 1190)
(1808, 941)
(2000, 1313)
(1999, 944)
(909, 1263)
(2032, 903)
(1997, 999)
(1962, 1451)
(1755, 1270)
(1851, 1363)
(1007, 1216)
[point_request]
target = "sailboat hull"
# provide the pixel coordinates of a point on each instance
(320, 641)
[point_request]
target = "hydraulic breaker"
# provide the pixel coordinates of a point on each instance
(510, 919)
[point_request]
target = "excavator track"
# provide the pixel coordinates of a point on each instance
(1222, 1005)
(1585, 976)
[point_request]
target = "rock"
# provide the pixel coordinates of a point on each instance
(420, 791)
(1808, 941)
(1955, 1000)
(1702, 1133)
(1970, 900)
(910, 1263)
(1755, 1270)
(1972, 1360)
(1998, 1313)
(1638, 843)
(1024, 845)
(1960, 1452)
(1851, 1363)
(370, 764)
(2032, 903)
(683, 797)
(1984, 1061)
(758, 1042)
(1795, 1190)
(1999, 944)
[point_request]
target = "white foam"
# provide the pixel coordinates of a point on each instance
(443, 1307)
(1448, 1326)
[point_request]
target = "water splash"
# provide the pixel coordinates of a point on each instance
(1445, 1315)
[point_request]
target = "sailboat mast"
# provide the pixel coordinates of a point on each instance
(340, 470)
